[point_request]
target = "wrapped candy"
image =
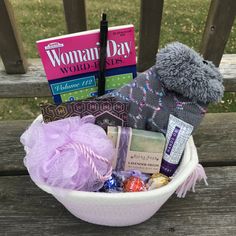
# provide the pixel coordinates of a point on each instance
(113, 184)
(134, 184)
(157, 180)
(72, 153)
(123, 175)
(118, 178)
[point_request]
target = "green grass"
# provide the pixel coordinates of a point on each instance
(182, 21)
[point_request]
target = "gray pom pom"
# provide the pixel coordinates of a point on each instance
(184, 71)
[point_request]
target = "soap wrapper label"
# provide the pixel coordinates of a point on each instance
(137, 149)
(146, 162)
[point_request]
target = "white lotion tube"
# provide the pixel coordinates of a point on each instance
(178, 133)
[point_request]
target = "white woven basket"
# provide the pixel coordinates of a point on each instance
(123, 209)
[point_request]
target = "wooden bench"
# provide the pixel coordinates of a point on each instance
(26, 210)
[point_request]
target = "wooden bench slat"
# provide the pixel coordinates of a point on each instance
(215, 140)
(228, 70)
(11, 47)
(75, 14)
(11, 151)
(34, 83)
(217, 30)
(27, 210)
(150, 26)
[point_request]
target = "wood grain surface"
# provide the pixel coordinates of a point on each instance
(11, 45)
(215, 140)
(75, 15)
(211, 210)
(34, 82)
(219, 22)
(150, 26)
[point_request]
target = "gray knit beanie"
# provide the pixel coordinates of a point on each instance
(181, 83)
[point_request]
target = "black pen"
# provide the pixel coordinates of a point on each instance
(103, 53)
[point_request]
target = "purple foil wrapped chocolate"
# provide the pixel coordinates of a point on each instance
(123, 175)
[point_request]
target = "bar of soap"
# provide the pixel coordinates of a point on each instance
(136, 149)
